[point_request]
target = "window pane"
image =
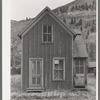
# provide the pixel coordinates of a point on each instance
(49, 37)
(56, 66)
(55, 74)
(61, 64)
(56, 61)
(45, 37)
(76, 63)
(44, 29)
(38, 80)
(34, 67)
(81, 69)
(33, 80)
(60, 74)
(38, 67)
(81, 63)
(49, 29)
(77, 70)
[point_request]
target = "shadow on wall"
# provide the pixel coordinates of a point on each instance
(15, 71)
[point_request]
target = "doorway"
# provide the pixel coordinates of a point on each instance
(36, 73)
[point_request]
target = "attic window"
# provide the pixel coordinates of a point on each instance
(47, 33)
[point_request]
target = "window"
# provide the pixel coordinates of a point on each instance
(47, 33)
(79, 66)
(58, 69)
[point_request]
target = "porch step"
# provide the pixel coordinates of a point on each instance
(35, 89)
(80, 88)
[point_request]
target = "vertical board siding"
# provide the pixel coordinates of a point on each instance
(25, 76)
(86, 69)
(61, 47)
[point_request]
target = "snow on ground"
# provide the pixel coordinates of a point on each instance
(89, 94)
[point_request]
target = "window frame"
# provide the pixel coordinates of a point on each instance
(58, 58)
(47, 33)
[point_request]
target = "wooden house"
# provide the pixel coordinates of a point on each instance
(54, 57)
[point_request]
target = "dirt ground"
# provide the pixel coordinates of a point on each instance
(89, 94)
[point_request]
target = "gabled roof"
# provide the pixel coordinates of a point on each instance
(79, 48)
(40, 15)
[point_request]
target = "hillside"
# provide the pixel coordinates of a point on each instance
(79, 14)
(77, 4)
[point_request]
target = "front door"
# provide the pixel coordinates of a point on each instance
(35, 73)
(79, 73)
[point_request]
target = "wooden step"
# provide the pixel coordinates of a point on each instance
(80, 88)
(35, 89)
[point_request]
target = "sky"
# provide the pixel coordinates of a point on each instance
(20, 9)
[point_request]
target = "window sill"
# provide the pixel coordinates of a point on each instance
(59, 80)
(47, 42)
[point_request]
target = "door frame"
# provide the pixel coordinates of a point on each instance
(30, 74)
(79, 74)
